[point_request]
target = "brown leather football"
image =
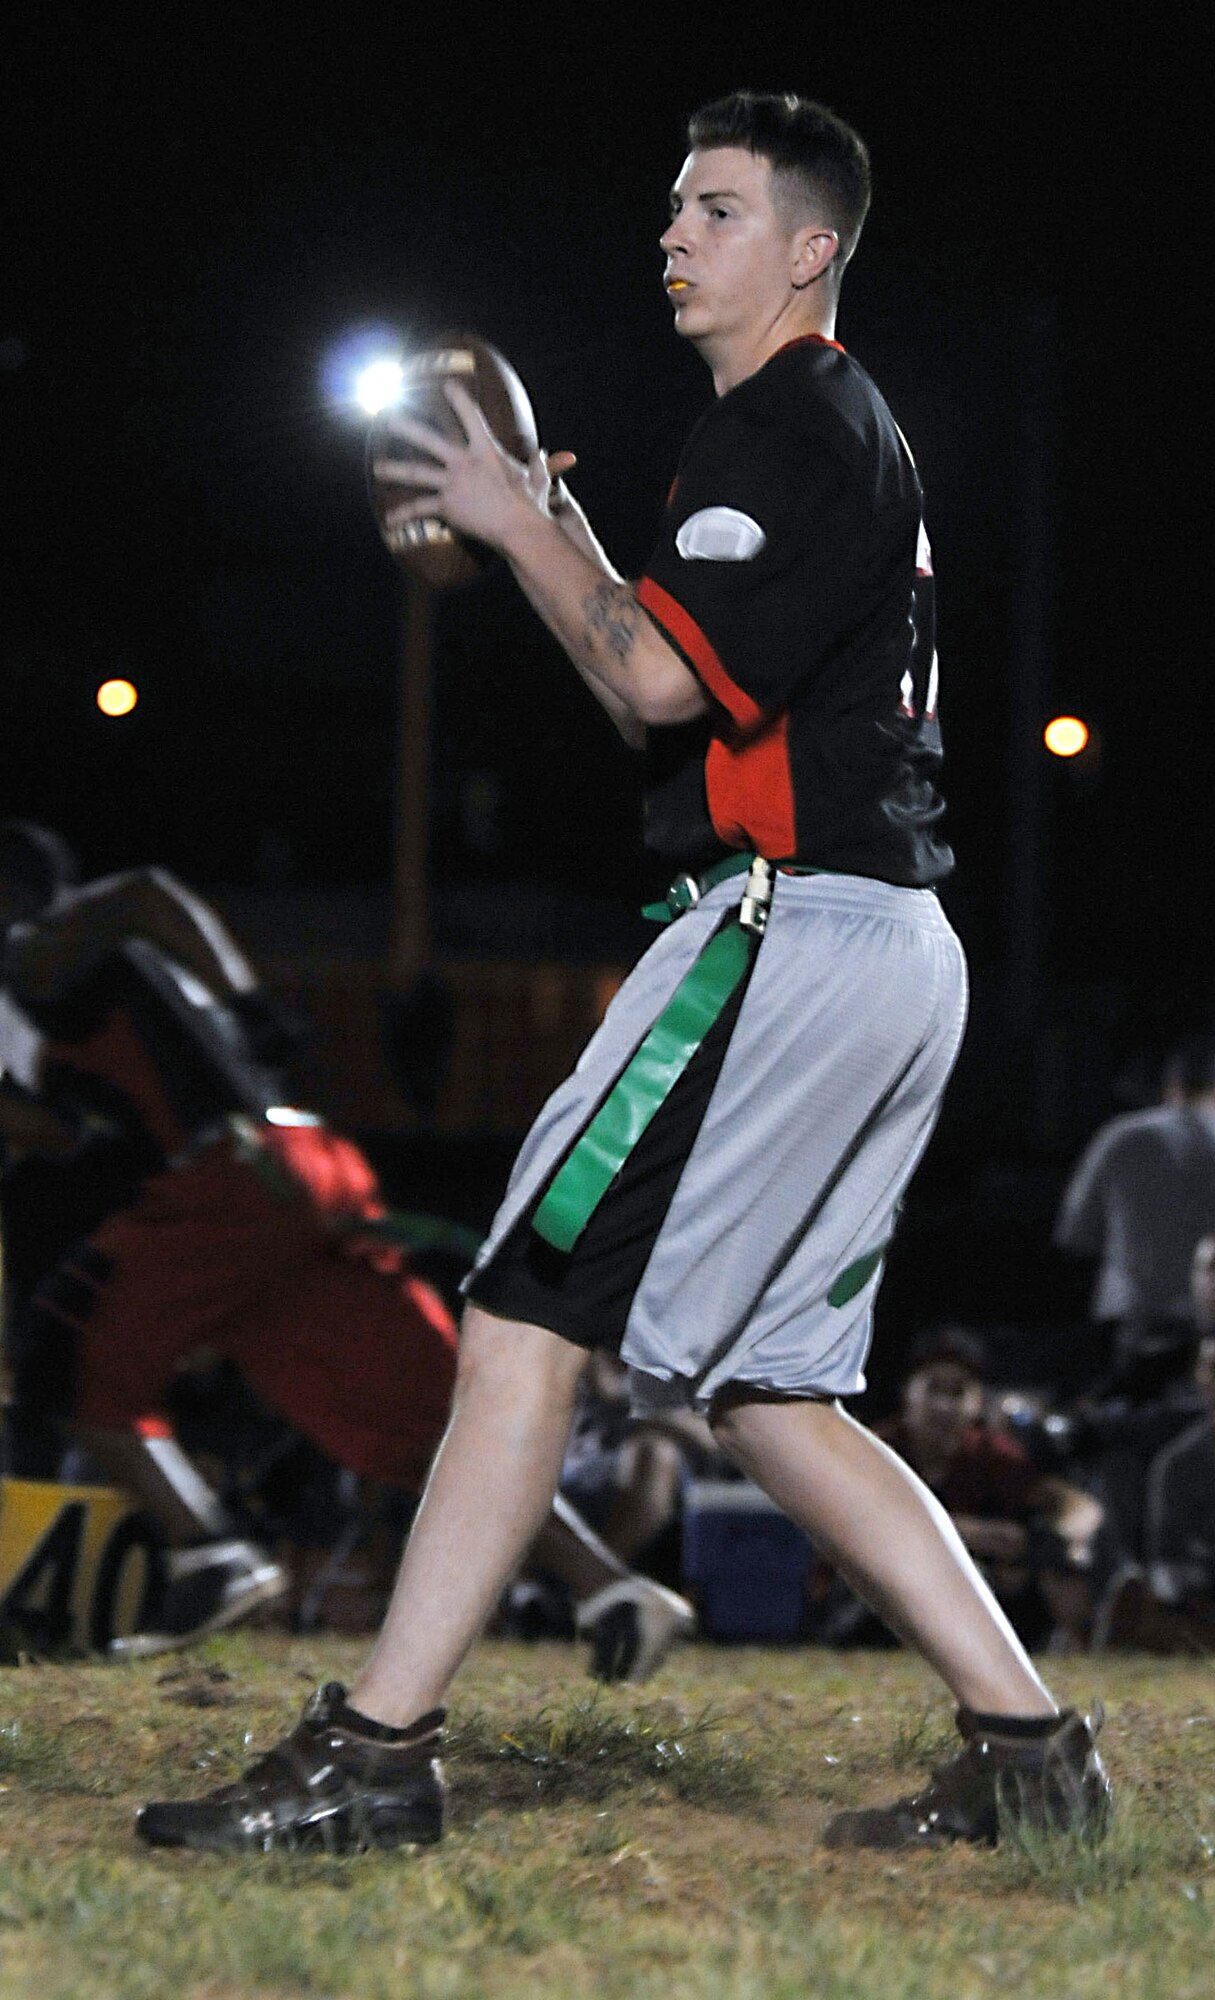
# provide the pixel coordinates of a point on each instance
(428, 548)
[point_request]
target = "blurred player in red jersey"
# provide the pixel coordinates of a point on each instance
(239, 1226)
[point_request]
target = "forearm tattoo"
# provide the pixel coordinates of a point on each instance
(612, 616)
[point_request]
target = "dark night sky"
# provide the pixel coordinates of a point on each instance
(201, 201)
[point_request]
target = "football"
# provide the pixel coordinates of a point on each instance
(428, 548)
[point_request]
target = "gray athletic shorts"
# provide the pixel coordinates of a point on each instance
(824, 1100)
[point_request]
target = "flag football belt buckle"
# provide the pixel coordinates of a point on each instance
(603, 1146)
(757, 897)
(687, 890)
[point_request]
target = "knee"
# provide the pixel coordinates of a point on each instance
(510, 1360)
(486, 1352)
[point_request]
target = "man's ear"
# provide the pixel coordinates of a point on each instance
(815, 249)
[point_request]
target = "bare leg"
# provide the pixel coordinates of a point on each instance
(572, 1552)
(891, 1538)
(489, 1489)
(158, 1473)
(648, 1495)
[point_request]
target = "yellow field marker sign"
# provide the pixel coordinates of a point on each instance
(78, 1564)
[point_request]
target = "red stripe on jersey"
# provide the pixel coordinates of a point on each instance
(750, 792)
(667, 612)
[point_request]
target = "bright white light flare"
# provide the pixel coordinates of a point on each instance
(379, 385)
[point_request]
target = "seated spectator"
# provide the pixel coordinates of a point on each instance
(1165, 1601)
(1116, 1437)
(1030, 1531)
(627, 1477)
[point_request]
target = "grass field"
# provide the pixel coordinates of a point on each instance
(661, 1842)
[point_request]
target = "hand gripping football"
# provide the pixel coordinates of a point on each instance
(429, 549)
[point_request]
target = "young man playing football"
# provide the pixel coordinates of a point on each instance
(711, 1192)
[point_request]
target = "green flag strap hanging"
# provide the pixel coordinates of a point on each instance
(581, 1183)
(584, 1178)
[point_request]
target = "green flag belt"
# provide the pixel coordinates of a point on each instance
(644, 1085)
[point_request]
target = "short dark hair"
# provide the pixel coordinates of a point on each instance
(954, 1344)
(1190, 1067)
(805, 143)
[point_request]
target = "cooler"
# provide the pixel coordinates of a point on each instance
(744, 1562)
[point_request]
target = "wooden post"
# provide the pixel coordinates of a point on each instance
(409, 943)
(1026, 941)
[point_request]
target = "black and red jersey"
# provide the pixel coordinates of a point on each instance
(793, 575)
(140, 1039)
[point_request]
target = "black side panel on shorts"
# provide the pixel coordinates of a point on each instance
(587, 1294)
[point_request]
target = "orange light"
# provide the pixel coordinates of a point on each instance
(117, 697)
(1065, 735)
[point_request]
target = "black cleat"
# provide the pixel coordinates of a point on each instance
(1051, 1781)
(210, 1587)
(325, 1787)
